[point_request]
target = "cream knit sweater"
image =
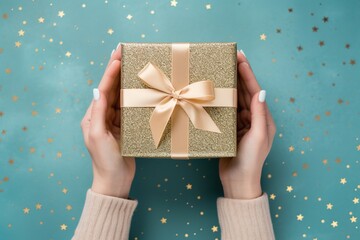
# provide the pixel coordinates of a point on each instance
(109, 218)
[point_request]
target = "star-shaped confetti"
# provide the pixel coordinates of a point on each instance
(61, 14)
(188, 186)
(343, 180)
(329, 206)
(214, 228)
(353, 219)
(334, 224)
(300, 217)
(173, 3)
(163, 220)
(263, 37)
(21, 33)
(17, 44)
(41, 20)
(355, 200)
(68, 54)
(289, 189)
(129, 16)
(110, 31)
(26, 210)
(208, 6)
(63, 227)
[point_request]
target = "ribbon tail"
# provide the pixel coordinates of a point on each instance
(160, 117)
(199, 117)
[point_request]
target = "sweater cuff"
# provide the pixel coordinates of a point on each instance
(245, 219)
(105, 217)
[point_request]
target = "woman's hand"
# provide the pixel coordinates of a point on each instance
(240, 176)
(113, 174)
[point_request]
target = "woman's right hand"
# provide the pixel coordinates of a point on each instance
(113, 174)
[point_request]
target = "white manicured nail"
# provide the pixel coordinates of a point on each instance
(96, 94)
(112, 52)
(242, 52)
(118, 45)
(262, 96)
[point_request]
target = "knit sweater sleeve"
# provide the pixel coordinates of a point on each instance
(241, 219)
(105, 218)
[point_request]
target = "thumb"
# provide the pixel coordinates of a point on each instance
(258, 114)
(98, 112)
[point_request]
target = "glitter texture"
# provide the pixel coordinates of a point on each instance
(208, 61)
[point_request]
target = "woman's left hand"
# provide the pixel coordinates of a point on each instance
(240, 175)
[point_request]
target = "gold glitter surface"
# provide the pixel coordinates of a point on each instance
(208, 61)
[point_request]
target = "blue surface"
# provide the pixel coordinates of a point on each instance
(312, 82)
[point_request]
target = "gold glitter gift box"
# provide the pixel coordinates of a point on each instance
(178, 100)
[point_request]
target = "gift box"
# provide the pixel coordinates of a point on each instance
(178, 100)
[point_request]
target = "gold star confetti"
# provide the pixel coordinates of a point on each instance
(355, 200)
(163, 220)
(358, 147)
(129, 16)
(63, 227)
(173, 3)
(57, 110)
(17, 44)
(188, 186)
(334, 224)
(41, 20)
(289, 189)
(38, 206)
(64, 190)
(110, 31)
(61, 14)
(272, 196)
(300, 217)
(263, 37)
(21, 33)
(329, 206)
(68, 54)
(68, 207)
(59, 154)
(214, 229)
(343, 180)
(208, 6)
(26, 210)
(353, 219)
(291, 148)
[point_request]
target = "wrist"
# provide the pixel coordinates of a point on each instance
(111, 188)
(242, 190)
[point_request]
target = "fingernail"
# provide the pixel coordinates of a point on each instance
(96, 94)
(262, 96)
(242, 52)
(118, 45)
(112, 52)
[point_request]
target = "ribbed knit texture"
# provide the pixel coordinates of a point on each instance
(105, 218)
(109, 218)
(241, 219)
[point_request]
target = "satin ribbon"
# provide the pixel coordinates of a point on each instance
(167, 96)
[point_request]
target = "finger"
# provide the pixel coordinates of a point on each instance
(271, 125)
(241, 93)
(110, 82)
(117, 118)
(247, 74)
(258, 116)
(115, 55)
(246, 94)
(85, 123)
(98, 114)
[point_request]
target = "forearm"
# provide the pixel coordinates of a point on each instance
(105, 217)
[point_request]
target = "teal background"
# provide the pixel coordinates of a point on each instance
(313, 94)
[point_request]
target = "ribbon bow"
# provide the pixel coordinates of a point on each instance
(189, 98)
